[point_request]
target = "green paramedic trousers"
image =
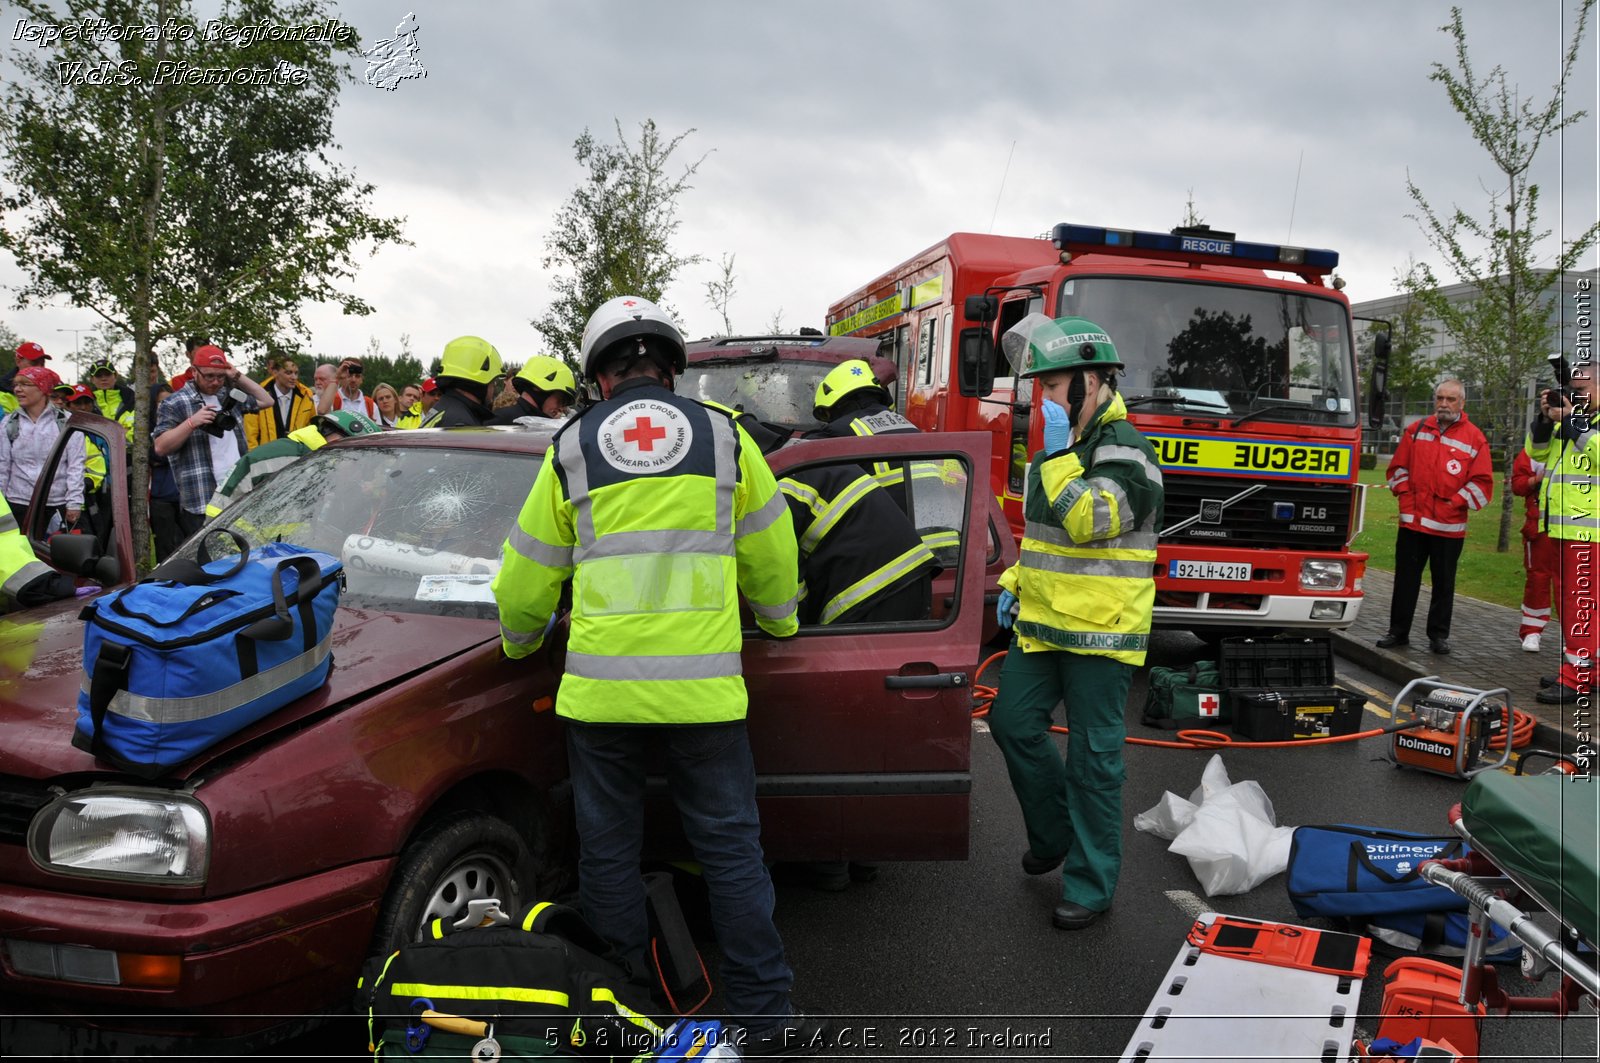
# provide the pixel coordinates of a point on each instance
(1070, 805)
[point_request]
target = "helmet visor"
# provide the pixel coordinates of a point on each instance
(1032, 333)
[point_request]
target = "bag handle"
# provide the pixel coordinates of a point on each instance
(205, 601)
(110, 674)
(278, 625)
(193, 573)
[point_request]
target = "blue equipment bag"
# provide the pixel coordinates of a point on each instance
(1364, 871)
(196, 652)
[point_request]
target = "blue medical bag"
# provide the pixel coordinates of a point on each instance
(197, 651)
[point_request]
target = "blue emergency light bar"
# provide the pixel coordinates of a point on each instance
(1195, 243)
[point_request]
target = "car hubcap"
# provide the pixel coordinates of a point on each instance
(473, 877)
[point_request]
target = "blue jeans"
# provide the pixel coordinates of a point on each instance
(712, 778)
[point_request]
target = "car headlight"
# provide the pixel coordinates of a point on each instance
(1321, 574)
(123, 833)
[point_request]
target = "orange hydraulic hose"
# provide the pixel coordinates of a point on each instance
(983, 696)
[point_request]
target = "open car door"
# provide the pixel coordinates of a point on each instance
(862, 731)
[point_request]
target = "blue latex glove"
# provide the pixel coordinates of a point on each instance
(1057, 428)
(1005, 611)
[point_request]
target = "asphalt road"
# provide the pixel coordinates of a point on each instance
(956, 960)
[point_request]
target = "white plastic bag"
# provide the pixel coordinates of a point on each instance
(1231, 838)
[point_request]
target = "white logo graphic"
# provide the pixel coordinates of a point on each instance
(394, 60)
(1453, 467)
(645, 437)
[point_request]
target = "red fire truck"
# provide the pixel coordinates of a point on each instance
(1240, 371)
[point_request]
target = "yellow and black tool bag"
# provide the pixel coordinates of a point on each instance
(542, 984)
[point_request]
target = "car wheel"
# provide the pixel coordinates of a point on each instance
(469, 856)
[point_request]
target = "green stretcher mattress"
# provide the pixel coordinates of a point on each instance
(1543, 831)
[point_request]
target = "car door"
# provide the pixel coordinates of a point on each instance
(862, 732)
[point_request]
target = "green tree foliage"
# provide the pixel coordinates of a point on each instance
(1411, 372)
(613, 236)
(1504, 334)
(719, 293)
(175, 205)
(396, 370)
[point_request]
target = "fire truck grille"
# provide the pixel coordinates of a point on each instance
(1279, 515)
(19, 800)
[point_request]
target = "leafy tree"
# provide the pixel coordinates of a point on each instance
(1221, 352)
(9, 342)
(397, 371)
(614, 234)
(719, 293)
(1503, 335)
(1191, 217)
(1411, 373)
(170, 203)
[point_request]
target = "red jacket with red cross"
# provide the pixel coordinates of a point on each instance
(1439, 476)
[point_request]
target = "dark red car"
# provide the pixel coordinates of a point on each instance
(232, 901)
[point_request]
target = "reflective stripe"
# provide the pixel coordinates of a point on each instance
(570, 454)
(1425, 437)
(537, 550)
(1068, 498)
(1576, 522)
(1577, 660)
(942, 539)
(725, 443)
(553, 997)
(1083, 640)
(1475, 497)
(1133, 454)
(761, 519)
(1407, 518)
(606, 996)
(637, 667)
(1047, 533)
(1470, 450)
(1567, 479)
(521, 638)
(669, 541)
(1087, 566)
(8, 521)
(1434, 525)
(1529, 611)
(205, 706)
(24, 576)
(873, 582)
(1124, 509)
(827, 516)
(777, 612)
(533, 913)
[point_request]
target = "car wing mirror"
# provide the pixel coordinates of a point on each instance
(77, 554)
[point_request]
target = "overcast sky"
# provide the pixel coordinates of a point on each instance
(842, 137)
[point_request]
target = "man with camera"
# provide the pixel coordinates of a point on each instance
(198, 428)
(1565, 439)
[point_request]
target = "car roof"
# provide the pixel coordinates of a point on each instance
(804, 348)
(534, 439)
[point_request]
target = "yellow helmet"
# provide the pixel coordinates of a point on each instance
(544, 373)
(846, 378)
(470, 358)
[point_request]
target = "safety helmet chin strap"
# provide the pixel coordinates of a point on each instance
(1077, 391)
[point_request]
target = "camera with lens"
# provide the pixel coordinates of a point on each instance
(226, 419)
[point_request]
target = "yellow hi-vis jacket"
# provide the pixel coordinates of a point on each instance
(1085, 575)
(1568, 496)
(660, 511)
(18, 565)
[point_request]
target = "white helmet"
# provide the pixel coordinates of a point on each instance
(630, 317)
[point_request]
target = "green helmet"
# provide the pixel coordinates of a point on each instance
(346, 423)
(1036, 345)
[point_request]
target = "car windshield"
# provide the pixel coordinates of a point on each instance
(1223, 351)
(419, 529)
(778, 392)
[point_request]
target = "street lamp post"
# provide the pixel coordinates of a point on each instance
(76, 332)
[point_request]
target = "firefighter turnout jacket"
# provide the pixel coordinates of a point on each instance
(1571, 455)
(1440, 475)
(18, 565)
(660, 511)
(856, 544)
(1085, 575)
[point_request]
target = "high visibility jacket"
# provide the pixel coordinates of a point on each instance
(1439, 475)
(262, 426)
(412, 418)
(262, 464)
(855, 543)
(660, 511)
(875, 419)
(112, 403)
(18, 565)
(1525, 487)
(8, 403)
(1571, 455)
(1085, 574)
(94, 463)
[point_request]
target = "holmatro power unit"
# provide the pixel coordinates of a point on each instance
(1457, 725)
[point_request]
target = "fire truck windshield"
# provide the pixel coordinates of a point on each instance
(1212, 350)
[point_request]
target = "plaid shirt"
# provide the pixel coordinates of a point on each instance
(191, 463)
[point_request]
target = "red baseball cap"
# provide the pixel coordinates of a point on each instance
(39, 376)
(79, 391)
(209, 357)
(31, 351)
(430, 385)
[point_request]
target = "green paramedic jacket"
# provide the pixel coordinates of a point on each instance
(660, 511)
(1085, 574)
(1568, 499)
